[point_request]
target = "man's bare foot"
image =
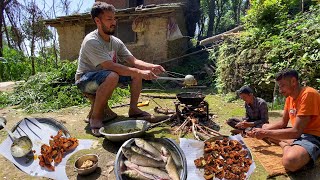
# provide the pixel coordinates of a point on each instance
(95, 125)
(137, 113)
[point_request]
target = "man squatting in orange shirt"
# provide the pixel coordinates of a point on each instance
(301, 142)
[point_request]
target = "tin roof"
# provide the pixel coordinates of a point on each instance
(120, 13)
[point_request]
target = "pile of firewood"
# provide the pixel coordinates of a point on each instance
(192, 120)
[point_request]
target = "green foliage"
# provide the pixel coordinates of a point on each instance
(13, 65)
(4, 99)
(221, 15)
(53, 90)
(267, 14)
(258, 54)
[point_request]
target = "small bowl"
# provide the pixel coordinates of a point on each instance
(82, 159)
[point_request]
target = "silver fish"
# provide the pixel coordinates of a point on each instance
(175, 157)
(140, 159)
(133, 174)
(170, 165)
(143, 152)
(149, 170)
(172, 169)
(147, 147)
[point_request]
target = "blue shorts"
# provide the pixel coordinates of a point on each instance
(90, 81)
(311, 143)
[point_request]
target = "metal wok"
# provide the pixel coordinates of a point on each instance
(191, 98)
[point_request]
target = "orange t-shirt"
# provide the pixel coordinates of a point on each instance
(306, 104)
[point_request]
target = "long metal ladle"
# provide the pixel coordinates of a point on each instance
(188, 80)
(21, 146)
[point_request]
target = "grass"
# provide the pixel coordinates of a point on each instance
(219, 105)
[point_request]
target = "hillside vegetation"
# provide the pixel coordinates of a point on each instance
(274, 39)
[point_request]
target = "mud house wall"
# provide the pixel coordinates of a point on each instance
(151, 45)
(178, 47)
(70, 39)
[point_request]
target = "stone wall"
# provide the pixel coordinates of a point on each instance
(70, 39)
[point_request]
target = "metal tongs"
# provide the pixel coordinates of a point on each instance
(188, 80)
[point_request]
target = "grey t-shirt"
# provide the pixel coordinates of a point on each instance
(95, 50)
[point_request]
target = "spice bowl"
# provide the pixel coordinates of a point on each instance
(86, 164)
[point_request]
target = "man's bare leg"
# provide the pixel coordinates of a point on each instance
(103, 94)
(294, 157)
(91, 99)
(135, 89)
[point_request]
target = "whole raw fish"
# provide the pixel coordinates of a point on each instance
(147, 147)
(133, 174)
(141, 159)
(149, 170)
(175, 157)
(170, 165)
(143, 152)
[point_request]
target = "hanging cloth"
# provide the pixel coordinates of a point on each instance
(173, 31)
(139, 24)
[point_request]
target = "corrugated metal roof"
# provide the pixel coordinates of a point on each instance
(135, 11)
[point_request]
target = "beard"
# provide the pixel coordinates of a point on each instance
(109, 31)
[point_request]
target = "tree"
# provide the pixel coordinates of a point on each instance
(3, 5)
(218, 16)
(35, 30)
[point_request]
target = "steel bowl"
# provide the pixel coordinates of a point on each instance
(175, 150)
(94, 158)
(116, 131)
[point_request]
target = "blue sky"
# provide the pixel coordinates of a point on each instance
(46, 4)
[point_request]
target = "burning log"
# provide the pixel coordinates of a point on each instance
(165, 111)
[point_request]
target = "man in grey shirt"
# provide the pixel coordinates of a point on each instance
(100, 67)
(256, 112)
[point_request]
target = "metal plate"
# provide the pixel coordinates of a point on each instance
(49, 122)
(169, 144)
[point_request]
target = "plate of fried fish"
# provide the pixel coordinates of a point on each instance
(157, 158)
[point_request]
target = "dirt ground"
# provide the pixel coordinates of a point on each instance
(73, 118)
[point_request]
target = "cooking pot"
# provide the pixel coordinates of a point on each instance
(191, 98)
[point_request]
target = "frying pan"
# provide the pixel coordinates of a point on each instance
(21, 146)
(191, 98)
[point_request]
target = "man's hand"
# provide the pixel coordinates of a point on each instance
(147, 74)
(157, 69)
(244, 124)
(258, 133)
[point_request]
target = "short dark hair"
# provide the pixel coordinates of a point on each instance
(285, 73)
(99, 7)
(245, 90)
